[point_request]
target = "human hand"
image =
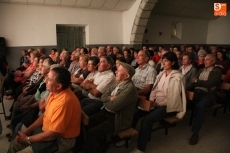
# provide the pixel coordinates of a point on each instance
(21, 138)
(86, 85)
(153, 104)
(112, 98)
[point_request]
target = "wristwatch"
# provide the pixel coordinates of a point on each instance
(28, 140)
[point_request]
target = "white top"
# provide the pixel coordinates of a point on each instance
(103, 80)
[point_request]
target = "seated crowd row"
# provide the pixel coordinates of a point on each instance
(49, 97)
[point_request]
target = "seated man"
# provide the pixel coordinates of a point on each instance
(60, 121)
(119, 104)
(207, 79)
(145, 74)
(97, 86)
(74, 66)
(143, 78)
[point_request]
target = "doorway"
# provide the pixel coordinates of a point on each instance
(70, 37)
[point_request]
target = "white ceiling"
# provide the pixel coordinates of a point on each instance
(119, 5)
(200, 9)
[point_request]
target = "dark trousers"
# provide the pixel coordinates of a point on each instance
(151, 117)
(91, 106)
(100, 124)
(202, 101)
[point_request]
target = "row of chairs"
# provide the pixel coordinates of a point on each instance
(168, 121)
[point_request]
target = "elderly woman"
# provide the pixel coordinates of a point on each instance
(167, 97)
(187, 69)
(199, 64)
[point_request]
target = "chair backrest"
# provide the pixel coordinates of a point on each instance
(189, 95)
(84, 118)
(143, 103)
(224, 86)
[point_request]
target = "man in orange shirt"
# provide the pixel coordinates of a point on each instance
(60, 121)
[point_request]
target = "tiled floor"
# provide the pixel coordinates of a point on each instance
(214, 136)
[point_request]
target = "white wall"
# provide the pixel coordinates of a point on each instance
(30, 25)
(194, 31)
(219, 31)
(128, 20)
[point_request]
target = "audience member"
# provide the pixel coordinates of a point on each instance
(167, 98)
(199, 64)
(97, 86)
(65, 59)
(23, 58)
(52, 54)
(206, 82)
(134, 63)
(74, 66)
(92, 68)
(60, 121)
(82, 72)
(83, 51)
(117, 113)
(213, 49)
(101, 52)
(187, 69)
(93, 51)
(222, 62)
(159, 66)
(145, 75)
(127, 56)
(56, 57)
(116, 51)
(156, 57)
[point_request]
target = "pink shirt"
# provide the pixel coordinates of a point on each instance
(159, 94)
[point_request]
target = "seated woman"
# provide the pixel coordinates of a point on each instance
(222, 62)
(127, 56)
(35, 78)
(167, 97)
(20, 77)
(52, 53)
(80, 75)
(92, 68)
(199, 63)
(187, 69)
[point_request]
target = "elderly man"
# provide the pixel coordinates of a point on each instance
(145, 74)
(74, 66)
(101, 52)
(97, 86)
(119, 104)
(206, 81)
(60, 121)
(93, 51)
(143, 78)
(65, 59)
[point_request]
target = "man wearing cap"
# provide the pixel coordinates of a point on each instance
(117, 113)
